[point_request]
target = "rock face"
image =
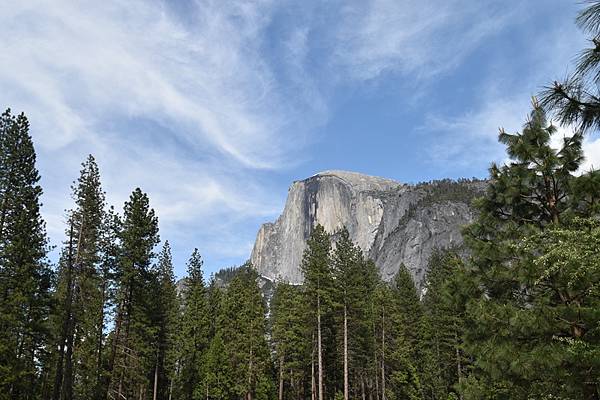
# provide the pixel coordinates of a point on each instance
(393, 223)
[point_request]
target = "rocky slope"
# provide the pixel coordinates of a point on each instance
(393, 223)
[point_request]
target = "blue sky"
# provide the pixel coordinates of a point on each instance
(215, 107)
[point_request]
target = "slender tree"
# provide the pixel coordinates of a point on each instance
(195, 327)
(25, 276)
(165, 318)
(316, 268)
(243, 324)
(132, 363)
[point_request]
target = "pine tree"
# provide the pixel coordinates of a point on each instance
(243, 324)
(318, 282)
(195, 326)
(25, 276)
(519, 307)
(132, 359)
(165, 318)
(447, 292)
(217, 373)
(290, 338)
(80, 297)
(405, 314)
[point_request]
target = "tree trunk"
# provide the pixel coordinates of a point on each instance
(313, 384)
(458, 361)
(281, 378)
(346, 353)
(320, 350)
(155, 391)
(383, 354)
(58, 378)
(362, 388)
(113, 351)
(99, 334)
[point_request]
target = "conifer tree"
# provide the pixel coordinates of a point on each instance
(195, 326)
(243, 324)
(530, 196)
(403, 357)
(80, 297)
(217, 372)
(132, 357)
(290, 338)
(318, 282)
(25, 276)
(165, 318)
(447, 292)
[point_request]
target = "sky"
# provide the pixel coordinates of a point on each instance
(215, 107)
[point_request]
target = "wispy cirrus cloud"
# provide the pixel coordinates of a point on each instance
(415, 38)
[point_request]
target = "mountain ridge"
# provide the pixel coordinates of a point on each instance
(392, 222)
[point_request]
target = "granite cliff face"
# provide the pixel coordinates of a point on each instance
(393, 223)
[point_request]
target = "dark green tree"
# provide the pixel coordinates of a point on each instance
(447, 291)
(405, 313)
(132, 360)
(243, 328)
(516, 318)
(25, 277)
(79, 295)
(195, 326)
(290, 338)
(165, 319)
(217, 372)
(318, 289)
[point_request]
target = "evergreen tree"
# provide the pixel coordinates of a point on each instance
(25, 276)
(516, 311)
(166, 317)
(217, 373)
(404, 356)
(243, 324)
(290, 338)
(355, 281)
(318, 282)
(80, 296)
(444, 323)
(132, 360)
(195, 326)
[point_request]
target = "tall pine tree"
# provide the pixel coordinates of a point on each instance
(25, 276)
(132, 359)
(195, 325)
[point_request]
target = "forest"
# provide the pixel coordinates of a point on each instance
(514, 314)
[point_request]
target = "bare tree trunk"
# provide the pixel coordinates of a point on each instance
(155, 392)
(281, 378)
(458, 362)
(346, 353)
(59, 377)
(113, 351)
(99, 334)
(313, 384)
(249, 394)
(362, 388)
(320, 349)
(383, 354)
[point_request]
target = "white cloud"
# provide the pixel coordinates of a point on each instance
(68, 63)
(416, 38)
(184, 108)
